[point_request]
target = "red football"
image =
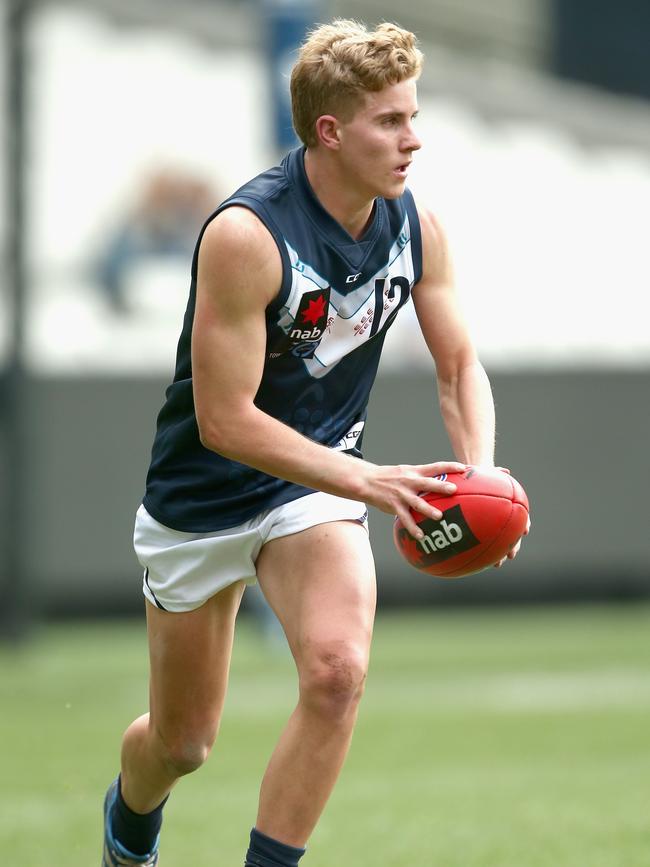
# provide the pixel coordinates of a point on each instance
(481, 522)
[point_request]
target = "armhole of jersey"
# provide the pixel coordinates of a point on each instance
(195, 257)
(258, 209)
(416, 234)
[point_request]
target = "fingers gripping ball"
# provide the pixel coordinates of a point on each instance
(480, 524)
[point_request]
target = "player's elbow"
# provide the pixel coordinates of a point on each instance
(452, 372)
(207, 435)
(218, 433)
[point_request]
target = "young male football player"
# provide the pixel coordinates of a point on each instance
(256, 471)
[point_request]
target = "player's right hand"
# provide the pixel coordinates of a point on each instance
(397, 489)
(512, 553)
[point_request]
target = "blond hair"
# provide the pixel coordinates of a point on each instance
(340, 62)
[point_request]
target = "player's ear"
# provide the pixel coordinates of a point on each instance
(328, 131)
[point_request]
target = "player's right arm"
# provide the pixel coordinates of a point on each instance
(239, 274)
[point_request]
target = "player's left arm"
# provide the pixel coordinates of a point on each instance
(464, 391)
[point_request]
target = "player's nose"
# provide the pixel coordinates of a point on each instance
(412, 141)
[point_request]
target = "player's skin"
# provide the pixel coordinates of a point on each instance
(320, 582)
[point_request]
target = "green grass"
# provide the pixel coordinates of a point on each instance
(517, 738)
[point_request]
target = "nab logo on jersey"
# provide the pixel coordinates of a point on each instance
(306, 331)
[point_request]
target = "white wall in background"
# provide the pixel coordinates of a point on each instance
(549, 238)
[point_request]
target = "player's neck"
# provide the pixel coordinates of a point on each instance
(346, 205)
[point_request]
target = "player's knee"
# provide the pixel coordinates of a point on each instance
(185, 753)
(332, 682)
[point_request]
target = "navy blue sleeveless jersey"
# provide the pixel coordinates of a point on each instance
(325, 331)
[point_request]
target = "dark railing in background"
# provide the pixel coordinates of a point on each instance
(13, 376)
(576, 439)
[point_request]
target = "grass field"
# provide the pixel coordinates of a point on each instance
(513, 738)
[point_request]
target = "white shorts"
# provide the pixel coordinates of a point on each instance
(183, 570)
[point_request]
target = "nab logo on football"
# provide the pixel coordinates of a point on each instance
(445, 538)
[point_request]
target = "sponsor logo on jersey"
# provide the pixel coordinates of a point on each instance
(305, 332)
(349, 440)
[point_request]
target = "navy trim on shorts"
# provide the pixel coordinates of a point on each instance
(146, 581)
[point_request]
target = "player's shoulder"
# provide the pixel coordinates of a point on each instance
(430, 224)
(238, 247)
(237, 231)
(436, 257)
(243, 219)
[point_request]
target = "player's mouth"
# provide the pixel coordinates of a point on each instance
(402, 171)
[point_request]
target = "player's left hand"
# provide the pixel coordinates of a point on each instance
(512, 553)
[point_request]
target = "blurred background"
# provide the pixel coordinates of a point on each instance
(123, 124)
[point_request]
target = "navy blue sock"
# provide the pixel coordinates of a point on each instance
(266, 852)
(137, 832)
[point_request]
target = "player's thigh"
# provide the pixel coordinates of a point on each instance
(189, 658)
(321, 584)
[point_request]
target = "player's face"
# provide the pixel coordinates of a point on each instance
(377, 144)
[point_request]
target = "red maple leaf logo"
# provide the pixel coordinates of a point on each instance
(315, 311)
